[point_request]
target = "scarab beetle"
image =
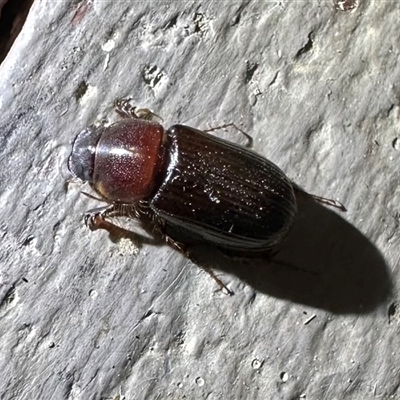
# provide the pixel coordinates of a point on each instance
(195, 187)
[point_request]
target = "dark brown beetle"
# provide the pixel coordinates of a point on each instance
(195, 187)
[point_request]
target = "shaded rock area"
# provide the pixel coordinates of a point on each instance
(317, 85)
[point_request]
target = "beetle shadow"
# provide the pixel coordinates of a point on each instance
(324, 262)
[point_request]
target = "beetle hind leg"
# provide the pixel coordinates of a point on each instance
(322, 200)
(329, 202)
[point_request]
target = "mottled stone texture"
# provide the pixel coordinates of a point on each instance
(317, 84)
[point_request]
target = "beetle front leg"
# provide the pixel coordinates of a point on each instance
(95, 218)
(125, 109)
(186, 252)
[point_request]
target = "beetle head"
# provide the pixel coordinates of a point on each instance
(81, 159)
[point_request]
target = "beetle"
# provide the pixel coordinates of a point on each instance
(192, 186)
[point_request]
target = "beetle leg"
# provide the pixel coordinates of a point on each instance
(329, 202)
(125, 109)
(95, 218)
(319, 199)
(185, 251)
(222, 286)
(98, 221)
(248, 137)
